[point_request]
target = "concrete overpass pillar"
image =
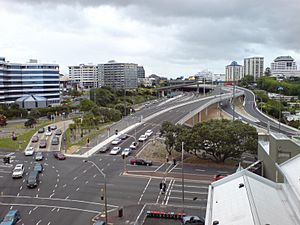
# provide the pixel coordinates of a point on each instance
(162, 93)
(199, 117)
(206, 112)
(197, 88)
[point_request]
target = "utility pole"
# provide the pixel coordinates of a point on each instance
(182, 176)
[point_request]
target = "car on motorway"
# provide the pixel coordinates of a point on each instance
(100, 222)
(39, 156)
(104, 149)
(123, 136)
(43, 143)
(59, 156)
(116, 141)
(33, 179)
(48, 133)
(149, 133)
(41, 130)
(143, 138)
(35, 138)
(58, 132)
(55, 141)
(29, 151)
(38, 167)
(53, 127)
(18, 171)
(134, 145)
(115, 151)
(140, 161)
(196, 220)
(126, 151)
(11, 218)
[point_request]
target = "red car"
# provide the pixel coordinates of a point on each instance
(218, 177)
(35, 138)
(139, 161)
(59, 156)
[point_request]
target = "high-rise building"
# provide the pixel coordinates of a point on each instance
(85, 75)
(120, 75)
(140, 72)
(33, 78)
(284, 66)
(254, 66)
(234, 72)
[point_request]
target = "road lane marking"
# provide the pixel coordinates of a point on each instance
(169, 192)
(67, 197)
(55, 186)
(57, 210)
(144, 190)
(77, 189)
(21, 188)
(11, 207)
(29, 212)
(34, 208)
(173, 168)
(199, 170)
(74, 178)
(37, 196)
(38, 222)
(95, 175)
(159, 167)
(191, 186)
(51, 195)
(57, 180)
(64, 185)
(100, 160)
(53, 209)
(86, 182)
(18, 194)
(49, 223)
(38, 189)
(84, 171)
(191, 192)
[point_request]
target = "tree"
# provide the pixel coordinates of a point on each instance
(247, 80)
(34, 113)
(169, 131)
(86, 105)
(30, 122)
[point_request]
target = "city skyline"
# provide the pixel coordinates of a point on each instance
(156, 34)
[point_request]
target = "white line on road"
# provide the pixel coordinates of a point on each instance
(95, 175)
(100, 160)
(38, 189)
(29, 212)
(53, 209)
(37, 196)
(64, 185)
(84, 171)
(167, 197)
(191, 192)
(86, 182)
(191, 186)
(21, 188)
(67, 197)
(74, 178)
(55, 186)
(11, 207)
(49, 223)
(173, 168)
(144, 190)
(57, 180)
(51, 195)
(199, 170)
(38, 222)
(34, 208)
(159, 167)
(77, 189)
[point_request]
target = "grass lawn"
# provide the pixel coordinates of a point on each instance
(23, 139)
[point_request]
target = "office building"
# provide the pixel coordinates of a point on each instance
(120, 75)
(85, 75)
(284, 66)
(140, 72)
(234, 72)
(33, 78)
(254, 66)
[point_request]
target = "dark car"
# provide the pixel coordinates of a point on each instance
(39, 156)
(99, 222)
(33, 179)
(35, 138)
(104, 149)
(123, 136)
(41, 130)
(196, 220)
(55, 141)
(43, 143)
(11, 218)
(53, 127)
(58, 132)
(59, 156)
(38, 167)
(139, 161)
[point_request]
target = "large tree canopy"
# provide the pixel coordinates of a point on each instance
(220, 139)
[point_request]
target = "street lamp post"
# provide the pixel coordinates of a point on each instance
(182, 176)
(105, 195)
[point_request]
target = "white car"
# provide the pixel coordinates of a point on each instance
(29, 151)
(48, 133)
(18, 171)
(116, 141)
(126, 151)
(133, 145)
(143, 138)
(149, 133)
(115, 151)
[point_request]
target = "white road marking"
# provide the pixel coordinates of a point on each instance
(159, 167)
(53, 167)
(56, 171)
(173, 168)
(51, 195)
(58, 174)
(49, 223)
(37, 196)
(21, 188)
(57, 180)
(38, 189)
(38, 222)
(64, 185)
(34, 208)
(95, 175)
(191, 192)
(199, 170)
(53, 209)
(74, 178)
(86, 182)
(100, 160)
(144, 190)
(57, 210)
(77, 189)
(67, 197)
(18, 194)
(29, 212)
(167, 197)
(108, 164)
(55, 186)
(84, 171)
(191, 186)
(11, 207)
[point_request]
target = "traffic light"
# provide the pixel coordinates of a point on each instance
(116, 132)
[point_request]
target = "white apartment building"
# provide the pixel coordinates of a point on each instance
(33, 78)
(85, 75)
(254, 66)
(234, 72)
(284, 66)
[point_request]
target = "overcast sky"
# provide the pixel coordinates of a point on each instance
(168, 37)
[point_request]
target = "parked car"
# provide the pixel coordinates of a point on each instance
(116, 141)
(104, 149)
(33, 179)
(115, 151)
(55, 141)
(58, 132)
(38, 167)
(43, 143)
(218, 177)
(134, 145)
(193, 220)
(11, 218)
(35, 138)
(143, 138)
(123, 136)
(53, 127)
(59, 156)
(29, 151)
(48, 133)
(41, 130)
(149, 133)
(39, 156)
(100, 222)
(18, 171)
(139, 161)
(126, 152)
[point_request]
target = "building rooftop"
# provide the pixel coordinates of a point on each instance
(283, 58)
(279, 136)
(234, 63)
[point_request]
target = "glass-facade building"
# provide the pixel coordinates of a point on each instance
(17, 80)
